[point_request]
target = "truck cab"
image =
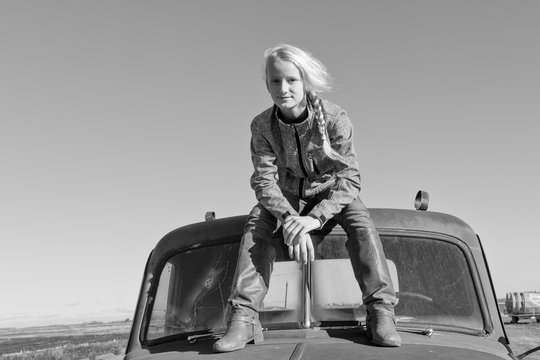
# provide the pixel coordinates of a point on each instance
(446, 309)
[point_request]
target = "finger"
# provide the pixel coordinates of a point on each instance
(302, 232)
(286, 238)
(299, 236)
(297, 253)
(288, 219)
(286, 231)
(292, 235)
(298, 240)
(291, 249)
(286, 225)
(311, 249)
(303, 251)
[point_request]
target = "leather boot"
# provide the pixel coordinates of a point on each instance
(381, 325)
(255, 261)
(243, 328)
(250, 285)
(371, 272)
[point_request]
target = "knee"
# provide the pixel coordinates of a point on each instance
(358, 237)
(260, 220)
(358, 223)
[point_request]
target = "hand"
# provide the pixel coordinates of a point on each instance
(302, 249)
(296, 235)
(295, 227)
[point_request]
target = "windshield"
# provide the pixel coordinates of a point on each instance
(432, 279)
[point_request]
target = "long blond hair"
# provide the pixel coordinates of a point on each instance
(315, 78)
(321, 124)
(314, 74)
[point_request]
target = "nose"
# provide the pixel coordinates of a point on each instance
(283, 87)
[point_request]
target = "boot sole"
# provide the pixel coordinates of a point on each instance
(258, 338)
(255, 339)
(369, 336)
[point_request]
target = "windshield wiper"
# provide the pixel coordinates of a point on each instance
(425, 331)
(351, 324)
(192, 339)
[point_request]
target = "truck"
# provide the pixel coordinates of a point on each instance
(446, 309)
(523, 305)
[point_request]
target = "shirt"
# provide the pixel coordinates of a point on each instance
(290, 157)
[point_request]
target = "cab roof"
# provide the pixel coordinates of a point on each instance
(230, 229)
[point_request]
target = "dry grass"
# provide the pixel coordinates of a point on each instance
(65, 342)
(524, 336)
(99, 341)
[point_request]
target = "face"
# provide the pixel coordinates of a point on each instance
(284, 82)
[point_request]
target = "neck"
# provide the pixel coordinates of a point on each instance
(294, 118)
(296, 114)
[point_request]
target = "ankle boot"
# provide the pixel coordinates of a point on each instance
(243, 328)
(381, 324)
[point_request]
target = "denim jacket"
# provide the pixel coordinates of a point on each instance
(290, 158)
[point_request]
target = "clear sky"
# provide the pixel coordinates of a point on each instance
(122, 120)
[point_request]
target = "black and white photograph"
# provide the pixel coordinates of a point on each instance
(248, 179)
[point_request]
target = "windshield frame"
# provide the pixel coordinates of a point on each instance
(473, 270)
(305, 310)
(152, 292)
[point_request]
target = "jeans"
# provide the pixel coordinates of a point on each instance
(257, 255)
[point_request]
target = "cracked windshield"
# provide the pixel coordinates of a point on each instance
(431, 277)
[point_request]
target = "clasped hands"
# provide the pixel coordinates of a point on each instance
(296, 235)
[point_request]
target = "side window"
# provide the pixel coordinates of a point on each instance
(157, 326)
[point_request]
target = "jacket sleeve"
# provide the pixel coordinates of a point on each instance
(347, 184)
(265, 175)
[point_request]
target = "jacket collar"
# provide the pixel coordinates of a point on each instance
(304, 125)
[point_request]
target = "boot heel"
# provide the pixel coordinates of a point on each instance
(369, 336)
(381, 331)
(257, 332)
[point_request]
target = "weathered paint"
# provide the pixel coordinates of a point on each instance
(339, 345)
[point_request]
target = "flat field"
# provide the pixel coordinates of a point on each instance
(65, 342)
(524, 336)
(107, 341)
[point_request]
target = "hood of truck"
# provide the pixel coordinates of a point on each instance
(300, 345)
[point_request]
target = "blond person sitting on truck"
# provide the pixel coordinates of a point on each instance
(305, 163)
